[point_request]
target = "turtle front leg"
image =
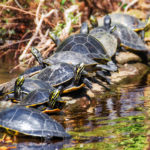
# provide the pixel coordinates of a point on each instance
(110, 66)
(102, 75)
(100, 83)
(87, 82)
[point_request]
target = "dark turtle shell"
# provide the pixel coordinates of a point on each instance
(108, 40)
(129, 39)
(56, 74)
(28, 86)
(32, 70)
(32, 122)
(39, 97)
(69, 57)
(127, 20)
(86, 45)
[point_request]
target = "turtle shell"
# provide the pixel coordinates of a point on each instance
(29, 121)
(127, 20)
(28, 86)
(107, 39)
(38, 97)
(84, 44)
(32, 70)
(57, 74)
(70, 57)
(129, 39)
(74, 58)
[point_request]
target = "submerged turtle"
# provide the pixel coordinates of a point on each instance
(24, 121)
(64, 77)
(44, 100)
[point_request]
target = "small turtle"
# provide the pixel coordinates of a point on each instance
(44, 100)
(22, 121)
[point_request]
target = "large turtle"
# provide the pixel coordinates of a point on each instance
(22, 121)
(88, 46)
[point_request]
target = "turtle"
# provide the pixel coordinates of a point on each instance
(41, 99)
(24, 86)
(22, 121)
(109, 42)
(127, 38)
(107, 39)
(127, 20)
(86, 45)
(64, 77)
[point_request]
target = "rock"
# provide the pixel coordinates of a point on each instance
(129, 73)
(127, 57)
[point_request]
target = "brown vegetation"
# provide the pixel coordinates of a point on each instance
(24, 24)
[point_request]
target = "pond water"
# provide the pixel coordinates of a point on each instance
(113, 120)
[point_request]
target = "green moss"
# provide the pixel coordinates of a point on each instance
(126, 133)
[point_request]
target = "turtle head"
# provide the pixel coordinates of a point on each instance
(55, 38)
(107, 22)
(93, 21)
(37, 55)
(18, 83)
(79, 70)
(84, 28)
(54, 96)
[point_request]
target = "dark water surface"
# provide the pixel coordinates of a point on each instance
(112, 120)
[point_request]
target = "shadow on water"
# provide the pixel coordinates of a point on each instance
(109, 121)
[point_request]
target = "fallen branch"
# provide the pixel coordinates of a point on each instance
(39, 24)
(130, 5)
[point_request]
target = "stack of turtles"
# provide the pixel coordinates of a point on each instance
(79, 60)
